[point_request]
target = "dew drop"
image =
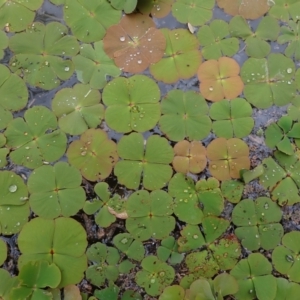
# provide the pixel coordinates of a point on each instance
(122, 38)
(139, 61)
(211, 89)
(152, 280)
(289, 70)
(67, 69)
(13, 188)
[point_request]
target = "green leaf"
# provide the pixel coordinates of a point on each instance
(157, 8)
(258, 223)
(55, 191)
(181, 58)
(3, 251)
(232, 118)
(269, 81)
(155, 275)
(174, 292)
(10, 14)
(61, 241)
(78, 109)
(149, 215)
(184, 115)
(7, 283)
(287, 290)
(39, 54)
(232, 190)
(14, 209)
(13, 92)
(93, 66)
(35, 139)
(215, 41)
(93, 154)
(104, 261)
(284, 9)
(168, 250)
(149, 159)
(3, 43)
(132, 104)
(89, 21)
(128, 5)
(191, 238)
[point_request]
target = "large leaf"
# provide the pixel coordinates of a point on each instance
(17, 14)
(61, 241)
(248, 9)
(78, 109)
(35, 139)
(148, 159)
(181, 58)
(184, 115)
(220, 79)
(55, 191)
(195, 12)
(134, 43)
(90, 20)
(269, 81)
(93, 66)
(93, 154)
(39, 54)
(132, 104)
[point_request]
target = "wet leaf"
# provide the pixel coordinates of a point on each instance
(149, 215)
(90, 21)
(14, 209)
(227, 158)
(93, 66)
(55, 191)
(168, 251)
(249, 9)
(232, 190)
(195, 12)
(34, 276)
(93, 154)
(104, 261)
(269, 81)
(215, 41)
(78, 109)
(155, 275)
(35, 139)
(61, 241)
(282, 178)
(3, 252)
(3, 151)
(285, 9)
(39, 54)
(17, 15)
(148, 159)
(285, 257)
(181, 58)
(132, 104)
(258, 223)
(257, 43)
(254, 278)
(157, 8)
(184, 115)
(232, 118)
(3, 43)
(220, 79)
(287, 290)
(13, 92)
(189, 157)
(190, 238)
(291, 34)
(134, 43)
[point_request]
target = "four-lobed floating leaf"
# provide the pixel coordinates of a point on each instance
(55, 191)
(147, 159)
(285, 9)
(39, 54)
(181, 58)
(184, 115)
(93, 66)
(150, 215)
(219, 79)
(93, 154)
(231, 118)
(189, 157)
(227, 158)
(78, 109)
(215, 41)
(168, 251)
(269, 80)
(89, 21)
(134, 43)
(132, 104)
(258, 223)
(35, 139)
